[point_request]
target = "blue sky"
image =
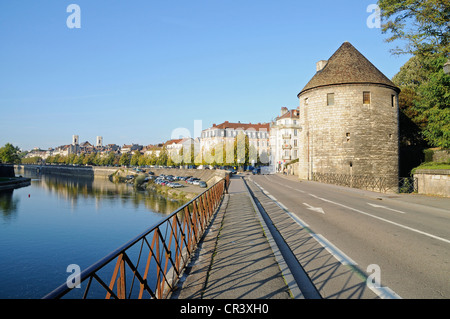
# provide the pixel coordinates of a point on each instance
(136, 70)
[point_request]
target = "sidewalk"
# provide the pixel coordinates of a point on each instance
(235, 260)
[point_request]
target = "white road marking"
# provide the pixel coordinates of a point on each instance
(384, 219)
(381, 206)
(316, 209)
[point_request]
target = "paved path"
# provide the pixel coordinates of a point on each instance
(235, 259)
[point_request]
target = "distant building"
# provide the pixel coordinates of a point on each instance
(349, 120)
(99, 141)
(151, 149)
(226, 132)
(131, 148)
(284, 139)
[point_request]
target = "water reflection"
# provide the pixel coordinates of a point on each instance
(8, 204)
(101, 189)
(58, 221)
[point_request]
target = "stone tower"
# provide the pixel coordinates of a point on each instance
(99, 141)
(75, 140)
(349, 120)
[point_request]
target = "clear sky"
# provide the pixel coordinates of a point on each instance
(138, 69)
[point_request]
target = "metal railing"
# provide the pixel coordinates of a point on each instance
(369, 182)
(166, 248)
(407, 185)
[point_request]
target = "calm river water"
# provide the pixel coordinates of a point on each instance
(58, 221)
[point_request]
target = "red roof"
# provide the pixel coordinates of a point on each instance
(244, 126)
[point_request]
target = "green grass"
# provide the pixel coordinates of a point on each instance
(432, 165)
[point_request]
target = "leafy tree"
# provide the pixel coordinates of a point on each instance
(79, 159)
(10, 154)
(109, 160)
(124, 159)
(425, 96)
(241, 149)
(135, 158)
(151, 160)
(424, 99)
(422, 24)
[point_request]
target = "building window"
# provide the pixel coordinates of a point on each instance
(392, 100)
(366, 97)
(347, 135)
(306, 101)
(330, 99)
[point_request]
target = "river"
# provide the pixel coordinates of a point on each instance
(58, 221)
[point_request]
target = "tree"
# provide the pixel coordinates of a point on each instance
(425, 96)
(79, 159)
(109, 160)
(10, 154)
(241, 149)
(135, 158)
(423, 24)
(424, 99)
(162, 158)
(124, 159)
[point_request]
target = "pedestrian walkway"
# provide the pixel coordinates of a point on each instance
(235, 259)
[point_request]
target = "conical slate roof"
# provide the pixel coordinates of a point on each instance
(348, 66)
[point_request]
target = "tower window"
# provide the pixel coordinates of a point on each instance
(366, 97)
(347, 135)
(392, 100)
(330, 99)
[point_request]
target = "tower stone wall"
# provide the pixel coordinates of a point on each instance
(349, 120)
(349, 137)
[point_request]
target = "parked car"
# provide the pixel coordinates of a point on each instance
(196, 182)
(192, 179)
(176, 185)
(202, 184)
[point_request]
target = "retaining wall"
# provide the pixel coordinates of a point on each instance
(433, 181)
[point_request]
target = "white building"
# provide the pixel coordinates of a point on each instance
(226, 132)
(284, 139)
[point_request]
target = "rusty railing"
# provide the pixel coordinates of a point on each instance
(149, 265)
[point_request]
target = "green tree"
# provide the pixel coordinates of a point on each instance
(10, 154)
(151, 160)
(422, 24)
(79, 159)
(124, 159)
(424, 99)
(109, 160)
(162, 158)
(135, 158)
(71, 158)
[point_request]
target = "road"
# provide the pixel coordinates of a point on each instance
(402, 241)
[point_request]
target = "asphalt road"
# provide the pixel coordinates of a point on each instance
(403, 241)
